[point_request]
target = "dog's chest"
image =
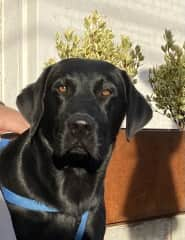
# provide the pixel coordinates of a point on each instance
(47, 226)
(76, 186)
(75, 194)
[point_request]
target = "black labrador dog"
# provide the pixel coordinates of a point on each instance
(75, 110)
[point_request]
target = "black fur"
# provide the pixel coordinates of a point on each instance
(61, 160)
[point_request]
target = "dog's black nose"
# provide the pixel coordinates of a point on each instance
(80, 128)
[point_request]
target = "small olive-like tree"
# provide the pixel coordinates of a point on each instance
(97, 41)
(168, 81)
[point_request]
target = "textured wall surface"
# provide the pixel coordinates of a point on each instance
(28, 35)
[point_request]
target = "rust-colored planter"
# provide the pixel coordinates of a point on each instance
(146, 176)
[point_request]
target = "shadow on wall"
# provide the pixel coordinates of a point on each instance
(145, 178)
(156, 186)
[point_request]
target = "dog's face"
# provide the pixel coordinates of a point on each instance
(79, 106)
(85, 104)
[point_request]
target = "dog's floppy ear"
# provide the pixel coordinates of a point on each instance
(30, 101)
(138, 111)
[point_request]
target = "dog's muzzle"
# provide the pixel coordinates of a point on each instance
(80, 134)
(80, 143)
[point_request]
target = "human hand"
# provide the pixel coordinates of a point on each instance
(11, 121)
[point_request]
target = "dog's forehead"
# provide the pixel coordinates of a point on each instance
(83, 67)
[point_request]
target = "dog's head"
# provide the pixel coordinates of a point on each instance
(79, 106)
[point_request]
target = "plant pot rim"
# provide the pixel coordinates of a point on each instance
(169, 130)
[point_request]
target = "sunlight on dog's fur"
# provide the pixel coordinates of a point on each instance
(75, 109)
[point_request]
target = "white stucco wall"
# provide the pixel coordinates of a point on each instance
(28, 36)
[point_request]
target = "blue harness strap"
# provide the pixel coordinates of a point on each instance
(81, 229)
(13, 198)
(3, 142)
(24, 202)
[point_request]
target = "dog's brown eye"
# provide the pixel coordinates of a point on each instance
(62, 89)
(106, 92)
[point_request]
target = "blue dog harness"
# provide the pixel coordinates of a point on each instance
(3, 142)
(30, 204)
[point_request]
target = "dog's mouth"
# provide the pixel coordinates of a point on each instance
(78, 149)
(77, 156)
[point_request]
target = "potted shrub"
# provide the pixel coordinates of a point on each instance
(156, 159)
(154, 163)
(150, 171)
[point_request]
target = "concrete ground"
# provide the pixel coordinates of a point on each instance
(160, 229)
